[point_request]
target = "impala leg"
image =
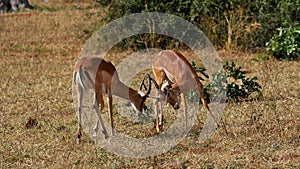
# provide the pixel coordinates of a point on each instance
(207, 108)
(160, 120)
(109, 99)
(159, 78)
(98, 113)
(96, 107)
(184, 107)
(79, 95)
(156, 110)
(204, 103)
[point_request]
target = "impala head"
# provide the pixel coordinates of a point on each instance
(166, 94)
(171, 95)
(139, 100)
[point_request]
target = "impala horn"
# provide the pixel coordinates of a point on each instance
(155, 83)
(148, 90)
(157, 88)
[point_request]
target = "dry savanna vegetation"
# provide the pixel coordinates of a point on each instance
(38, 49)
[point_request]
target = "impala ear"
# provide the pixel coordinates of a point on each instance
(165, 86)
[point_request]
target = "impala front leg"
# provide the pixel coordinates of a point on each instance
(160, 117)
(156, 110)
(184, 107)
(159, 76)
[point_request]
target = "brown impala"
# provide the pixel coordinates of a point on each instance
(101, 76)
(173, 67)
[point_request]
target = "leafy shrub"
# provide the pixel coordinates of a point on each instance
(238, 87)
(229, 23)
(120, 8)
(285, 43)
(241, 87)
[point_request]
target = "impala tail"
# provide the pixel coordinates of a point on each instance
(83, 79)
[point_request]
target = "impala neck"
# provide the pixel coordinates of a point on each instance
(129, 94)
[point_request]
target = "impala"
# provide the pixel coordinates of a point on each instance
(175, 76)
(101, 76)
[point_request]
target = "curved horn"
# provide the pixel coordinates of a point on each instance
(149, 84)
(155, 83)
(148, 90)
(142, 84)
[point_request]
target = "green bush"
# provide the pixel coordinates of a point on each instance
(241, 87)
(238, 87)
(120, 8)
(285, 43)
(231, 24)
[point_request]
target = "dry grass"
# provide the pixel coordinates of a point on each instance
(38, 124)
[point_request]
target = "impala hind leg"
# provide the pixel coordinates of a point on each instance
(109, 100)
(204, 103)
(79, 95)
(99, 99)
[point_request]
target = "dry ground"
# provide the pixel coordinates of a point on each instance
(38, 125)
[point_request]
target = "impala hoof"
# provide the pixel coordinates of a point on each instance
(105, 134)
(157, 129)
(79, 135)
(112, 132)
(161, 127)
